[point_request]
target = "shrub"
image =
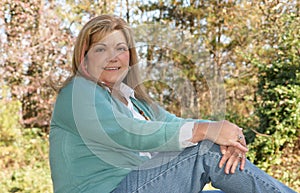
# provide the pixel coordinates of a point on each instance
(24, 153)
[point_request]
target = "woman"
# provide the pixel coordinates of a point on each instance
(107, 136)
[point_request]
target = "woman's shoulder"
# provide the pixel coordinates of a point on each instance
(80, 91)
(81, 85)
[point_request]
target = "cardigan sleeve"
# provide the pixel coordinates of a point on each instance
(186, 129)
(104, 120)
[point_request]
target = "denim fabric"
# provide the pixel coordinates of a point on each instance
(190, 170)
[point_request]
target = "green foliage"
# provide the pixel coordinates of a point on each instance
(9, 118)
(278, 96)
(24, 153)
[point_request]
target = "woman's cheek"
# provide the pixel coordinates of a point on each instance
(125, 57)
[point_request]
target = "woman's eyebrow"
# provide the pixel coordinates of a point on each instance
(100, 44)
(103, 44)
(121, 43)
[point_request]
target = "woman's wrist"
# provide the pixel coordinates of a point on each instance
(199, 132)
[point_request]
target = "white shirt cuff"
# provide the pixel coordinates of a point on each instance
(186, 134)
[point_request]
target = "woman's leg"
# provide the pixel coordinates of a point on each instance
(189, 171)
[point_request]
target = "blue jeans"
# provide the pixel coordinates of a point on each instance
(190, 170)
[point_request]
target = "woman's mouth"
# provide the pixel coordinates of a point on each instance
(111, 68)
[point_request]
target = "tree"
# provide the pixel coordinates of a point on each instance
(215, 33)
(34, 42)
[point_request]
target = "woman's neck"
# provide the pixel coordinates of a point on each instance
(116, 92)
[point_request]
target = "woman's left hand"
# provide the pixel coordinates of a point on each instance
(232, 156)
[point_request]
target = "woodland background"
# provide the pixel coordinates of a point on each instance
(242, 64)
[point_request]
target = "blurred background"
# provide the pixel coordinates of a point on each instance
(236, 59)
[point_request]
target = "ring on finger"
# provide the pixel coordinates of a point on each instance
(240, 156)
(240, 137)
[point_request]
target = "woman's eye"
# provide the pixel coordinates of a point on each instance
(123, 48)
(100, 49)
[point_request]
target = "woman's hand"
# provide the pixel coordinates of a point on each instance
(222, 132)
(232, 157)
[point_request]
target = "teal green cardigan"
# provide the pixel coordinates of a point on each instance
(95, 141)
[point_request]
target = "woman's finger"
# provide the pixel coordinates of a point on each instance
(236, 162)
(243, 162)
(239, 146)
(223, 149)
(241, 139)
(230, 158)
(226, 155)
(229, 164)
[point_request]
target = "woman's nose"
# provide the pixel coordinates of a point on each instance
(112, 56)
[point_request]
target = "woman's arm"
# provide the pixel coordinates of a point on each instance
(220, 132)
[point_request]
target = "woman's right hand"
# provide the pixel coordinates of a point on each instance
(221, 132)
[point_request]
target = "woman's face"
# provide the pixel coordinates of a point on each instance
(108, 59)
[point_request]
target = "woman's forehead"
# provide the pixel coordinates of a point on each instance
(115, 36)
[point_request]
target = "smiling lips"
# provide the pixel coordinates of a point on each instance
(111, 68)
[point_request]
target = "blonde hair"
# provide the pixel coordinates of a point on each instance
(93, 31)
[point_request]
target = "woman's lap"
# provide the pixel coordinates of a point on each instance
(191, 169)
